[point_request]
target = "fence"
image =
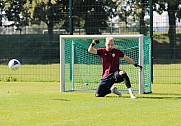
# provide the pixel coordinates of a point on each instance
(34, 43)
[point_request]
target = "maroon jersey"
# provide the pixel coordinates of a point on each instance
(110, 60)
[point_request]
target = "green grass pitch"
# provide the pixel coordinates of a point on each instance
(41, 104)
(28, 103)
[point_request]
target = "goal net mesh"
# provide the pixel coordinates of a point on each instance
(83, 71)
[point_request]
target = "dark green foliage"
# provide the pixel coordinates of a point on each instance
(8, 79)
(30, 49)
(17, 12)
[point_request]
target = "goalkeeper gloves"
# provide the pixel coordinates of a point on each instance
(95, 42)
(136, 65)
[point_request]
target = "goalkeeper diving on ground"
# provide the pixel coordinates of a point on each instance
(110, 57)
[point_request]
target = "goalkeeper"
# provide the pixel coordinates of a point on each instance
(110, 57)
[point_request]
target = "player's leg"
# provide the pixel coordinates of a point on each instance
(104, 87)
(115, 91)
(122, 76)
(102, 90)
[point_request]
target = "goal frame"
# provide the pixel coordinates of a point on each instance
(140, 38)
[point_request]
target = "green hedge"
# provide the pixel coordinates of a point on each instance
(29, 48)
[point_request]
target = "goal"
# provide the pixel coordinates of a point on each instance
(81, 71)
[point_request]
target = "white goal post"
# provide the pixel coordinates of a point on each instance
(63, 38)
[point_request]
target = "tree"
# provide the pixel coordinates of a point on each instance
(17, 11)
(51, 12)
(1, 11)
(92, 13)
(137, 9)
(133, 13)
(174, 12)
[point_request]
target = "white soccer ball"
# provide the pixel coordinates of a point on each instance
(86, 84)
(14, 64)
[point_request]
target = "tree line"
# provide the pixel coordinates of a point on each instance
(92, 15)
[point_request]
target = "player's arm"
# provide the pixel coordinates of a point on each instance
(129, 60)
(91, 48)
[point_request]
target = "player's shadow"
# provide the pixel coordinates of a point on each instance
(167, 96)
(115, 96)
(163, 96)
(60, 99)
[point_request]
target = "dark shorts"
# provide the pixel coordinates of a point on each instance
(106, 83)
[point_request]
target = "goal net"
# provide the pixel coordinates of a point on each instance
(82, 71)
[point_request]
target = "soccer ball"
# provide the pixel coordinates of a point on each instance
(14, 64)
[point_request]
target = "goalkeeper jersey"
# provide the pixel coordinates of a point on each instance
(110, 60)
